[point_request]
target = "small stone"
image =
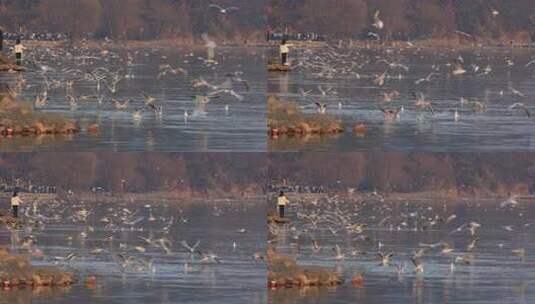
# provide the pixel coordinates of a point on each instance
(360, 128)
(94, 128)
(91, 281)
(358, 280)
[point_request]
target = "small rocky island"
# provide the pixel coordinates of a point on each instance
(283, 271)
(285, 118)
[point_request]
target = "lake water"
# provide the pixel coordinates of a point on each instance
(496, 275)
(238, 278)
(240, 127)
(352, 81)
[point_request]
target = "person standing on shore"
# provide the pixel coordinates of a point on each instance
(19, 49)
(15, 203)
(284, 51)
(282, 201)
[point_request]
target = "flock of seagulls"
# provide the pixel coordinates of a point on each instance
(135, 237)
(82, 76)
(401, 85)
(365, 230)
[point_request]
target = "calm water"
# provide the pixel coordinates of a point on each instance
(496, 129)
(241, 127)
(237, 279)
(497, 275)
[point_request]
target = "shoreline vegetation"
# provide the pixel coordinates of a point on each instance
(258, 40)
(148, 197)
(160, 43)
(16, 271)
(19, 118)
(399, 197)
(221, 196)
(284, 272)
(431, 42)
(191, 43)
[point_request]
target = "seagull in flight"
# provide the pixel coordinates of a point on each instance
(322, 107)
(223, 10)
(209, 258)
(191, 249)
(520, 106)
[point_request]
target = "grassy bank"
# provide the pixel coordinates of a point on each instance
(285, 118)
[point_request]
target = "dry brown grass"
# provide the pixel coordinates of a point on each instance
(16, 271)
(19, 118)
(283, 271)
(285, 118)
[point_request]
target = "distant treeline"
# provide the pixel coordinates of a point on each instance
(407, 19)
(256, 173)
(135, 19)
(187, 173)
(473, 174)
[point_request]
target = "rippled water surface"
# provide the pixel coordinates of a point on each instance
(232, 230)
(496, 78)
(225, 124)
(497, 274)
